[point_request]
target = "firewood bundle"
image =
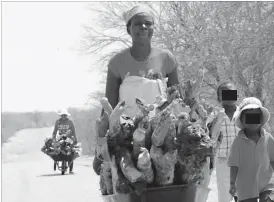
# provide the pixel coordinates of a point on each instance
(169, 148)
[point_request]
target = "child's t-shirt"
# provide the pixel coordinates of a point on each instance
(253, 162)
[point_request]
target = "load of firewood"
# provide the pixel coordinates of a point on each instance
(169, 148)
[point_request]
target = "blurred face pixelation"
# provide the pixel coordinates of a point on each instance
(228, 96)
(63, 116)
(141, 28)
(251, 118)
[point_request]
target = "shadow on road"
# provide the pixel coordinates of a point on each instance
(49, 175)
(55, 174)
(85, 165)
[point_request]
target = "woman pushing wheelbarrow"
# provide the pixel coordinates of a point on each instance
(152, 139)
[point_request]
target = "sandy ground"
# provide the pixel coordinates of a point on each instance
(28, 176)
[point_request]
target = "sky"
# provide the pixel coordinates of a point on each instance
(40, 68)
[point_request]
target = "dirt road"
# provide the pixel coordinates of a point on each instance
(28, 176)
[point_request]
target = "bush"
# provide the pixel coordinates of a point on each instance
(84, 122)
(15, 121)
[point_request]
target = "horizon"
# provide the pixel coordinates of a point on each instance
(44, 111)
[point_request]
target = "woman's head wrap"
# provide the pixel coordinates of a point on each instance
(142, 8)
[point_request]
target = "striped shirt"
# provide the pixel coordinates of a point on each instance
(227, 134)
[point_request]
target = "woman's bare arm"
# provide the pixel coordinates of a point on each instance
(173, 78)
(112, 89)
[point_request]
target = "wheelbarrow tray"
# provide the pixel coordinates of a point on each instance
(176, 193)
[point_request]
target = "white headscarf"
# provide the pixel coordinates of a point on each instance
(142, 8)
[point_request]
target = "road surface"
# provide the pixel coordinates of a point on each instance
(28, 176)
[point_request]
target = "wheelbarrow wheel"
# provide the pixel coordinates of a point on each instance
(64, 167)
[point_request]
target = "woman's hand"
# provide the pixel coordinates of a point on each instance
(232, 189)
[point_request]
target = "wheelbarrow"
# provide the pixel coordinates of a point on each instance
(175, 193)
(66, 162)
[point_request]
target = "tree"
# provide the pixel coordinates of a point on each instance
(232, 41)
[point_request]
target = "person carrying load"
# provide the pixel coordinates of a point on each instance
(65, 126)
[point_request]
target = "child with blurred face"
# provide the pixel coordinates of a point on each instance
(252, 154)
(227, 97)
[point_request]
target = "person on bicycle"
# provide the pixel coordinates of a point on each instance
(65, 127)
